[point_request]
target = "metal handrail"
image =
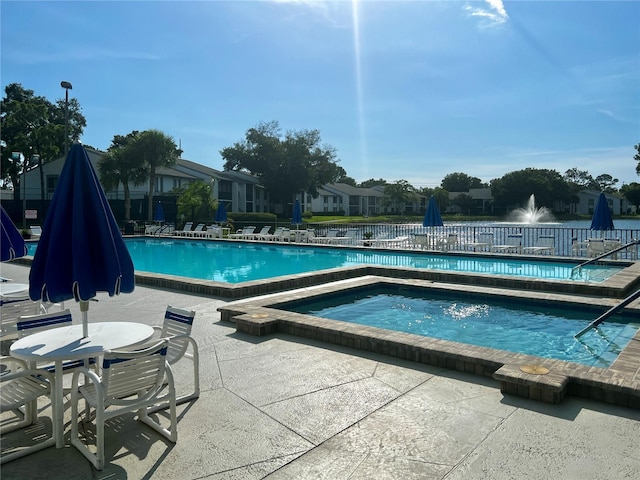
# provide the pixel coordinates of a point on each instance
(608, 313)
(606, 254)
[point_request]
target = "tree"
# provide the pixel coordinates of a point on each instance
(285, 165)
(154, 149)
(122, 165)
(465, 202)
(347, 181)
(196, 202)
(397, 195)
(636, 157)
(373, 183)
(631, 192)
(33, 125)
(460, 182)
(515, 188)
(607, 183)
(579, 180)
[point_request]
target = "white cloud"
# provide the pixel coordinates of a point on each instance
(495, 14)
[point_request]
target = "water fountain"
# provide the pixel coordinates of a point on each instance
(531, 214)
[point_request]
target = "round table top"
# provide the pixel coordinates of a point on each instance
(66, 343)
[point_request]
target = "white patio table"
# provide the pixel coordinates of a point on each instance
(66, 343)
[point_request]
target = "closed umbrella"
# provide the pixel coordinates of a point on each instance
(296, 217)
(11, 242)
(158, 214)
(602, 218)
(221, 213)
(81, 251)
(432, 216)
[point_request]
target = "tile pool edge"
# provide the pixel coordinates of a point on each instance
(619, 384)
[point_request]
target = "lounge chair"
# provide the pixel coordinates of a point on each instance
(544, 244)
(36, 231)
(420, 240)
(199, 231)
(512, 244)
(261, 235)
(349, 237)
(331, 234)
(166, 230)
(240, 233)
(448, 242)
(273, 236)
(213, 231)
(484, 241)
(151, 229)
(385, 240)
(595, 247)
(186, 229)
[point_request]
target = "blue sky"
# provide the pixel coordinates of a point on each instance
(403, 90)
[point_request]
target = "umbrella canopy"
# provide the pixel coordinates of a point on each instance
(296, 217)
(602, 219)
(11, 241)
(81, 251)
(221, 213)
(432, 216)
(158, 214)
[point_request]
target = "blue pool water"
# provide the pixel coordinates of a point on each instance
(543, 331)
(237, 262)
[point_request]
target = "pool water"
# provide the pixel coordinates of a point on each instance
(539, 330)
(237, 262)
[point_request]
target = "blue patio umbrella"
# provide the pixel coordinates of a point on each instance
(11, 242)
(81, 251)
(221, 213)
(296, 217)
(432, 216)
(158, 214)
(602, 219)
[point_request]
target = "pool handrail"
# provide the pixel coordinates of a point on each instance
(605, 254)
(608, 313)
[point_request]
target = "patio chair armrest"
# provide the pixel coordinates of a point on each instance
(36, 372)
(89, 374)
(17, 364)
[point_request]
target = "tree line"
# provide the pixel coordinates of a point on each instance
(286, 163)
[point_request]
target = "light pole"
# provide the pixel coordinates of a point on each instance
(67, 86)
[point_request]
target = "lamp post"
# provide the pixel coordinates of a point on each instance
(67, 86)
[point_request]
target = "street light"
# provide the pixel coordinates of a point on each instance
(67, 86)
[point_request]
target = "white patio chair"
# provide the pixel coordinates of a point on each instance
(198, 231)
(10, 313)
(332, 233)
(595, 247)
(177, 327)
(273, 236)
(21, 387)
(241, 233)
(261, 235)
(447, 242)
(420, 240)
(131, 381)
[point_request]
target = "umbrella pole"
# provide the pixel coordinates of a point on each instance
(84, 308)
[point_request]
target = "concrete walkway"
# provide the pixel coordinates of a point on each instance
(281, 407)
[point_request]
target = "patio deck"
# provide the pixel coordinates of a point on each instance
(282, 407)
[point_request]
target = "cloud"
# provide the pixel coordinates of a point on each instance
(495, 14)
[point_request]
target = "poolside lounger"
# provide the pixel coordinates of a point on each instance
(483, 241)
(185, 229)
(241, 232)
(213, 231)
(261, 235)
(349, 237)
(331, 234)
(36, 231)
(199, 231)
(544, 244)
(513, 244)
(151, 229)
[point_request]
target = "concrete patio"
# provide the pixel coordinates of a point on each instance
(281, 407)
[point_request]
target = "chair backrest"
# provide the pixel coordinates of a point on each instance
(138, 373)
(248, 230)
(187, 227)
(177, 321)
(278, 231)
(10, 313)
(514, 239)
(35, 230)
(485, 237)
(546, 241)
(333, 232)
(265, 230)
(199, 228)
(30, 324)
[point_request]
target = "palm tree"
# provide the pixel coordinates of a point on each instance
(122, 165)
(155, 149)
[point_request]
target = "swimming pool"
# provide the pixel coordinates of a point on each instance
(238, 262)
(543, 330)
